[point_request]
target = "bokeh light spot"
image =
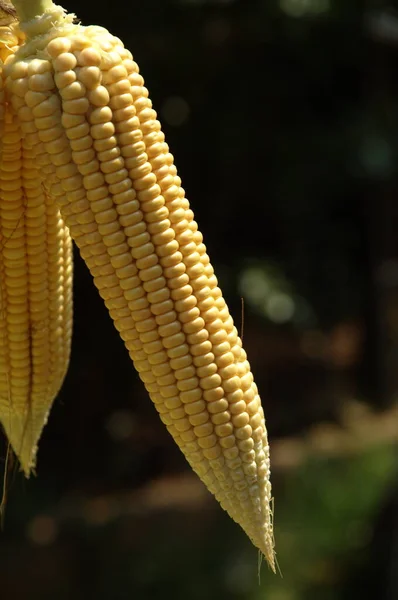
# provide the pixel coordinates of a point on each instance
(300, 8)
(42, 530)
(279, 308)
(175, 111)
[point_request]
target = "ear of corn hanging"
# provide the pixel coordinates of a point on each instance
(35, 276)
(76, 103)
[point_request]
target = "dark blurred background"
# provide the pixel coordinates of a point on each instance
(283, 118)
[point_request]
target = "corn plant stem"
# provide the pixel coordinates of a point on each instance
(29, 9)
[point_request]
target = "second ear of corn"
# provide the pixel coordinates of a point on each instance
(76, 104)
(35, 280)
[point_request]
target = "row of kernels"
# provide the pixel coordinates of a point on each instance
(153, 203)
(14, 286)
(195, 272)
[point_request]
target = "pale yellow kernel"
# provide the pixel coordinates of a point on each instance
(79, 41)
(191, 396)
(120, 87)
(98, 116)
(237, 475)
(205, 359)
(213, 395)
(58, 46)
(227, 372)
(199, 419)
(146, 325)
(146, 263)
(117, 72)
(65, 61)
(105, 144)
(235, 396)
(154, 358)
(177, 413)
(161, 370)
(65, 171)
(93, 182)
(218, 405)
(249, 394)
(224, 430)
(165, 417)
(232, 384)
(168, 379)
(256, 421)
(170, 257)
(194, 326)
(182, 425)
(247, 380)
(159, 297)
(244, 433)
(213, 381)
(213, 452)
(99, 96)
(79, 106)
(19, 88)
(246, 445)
(232, 455)
(249, 457)
(73, 90)
(208, 441)
(194, 408)
(207, 370)
(253, 406)
(181, 362)
(200, 337)
(90, 57)
(185, 373)
(170, 340)
(102, 131)
(240, 420)
(228, 442)
(218, 337)
(120, 101)
(64, 78)
(188, 384)
(200, 349)
(155, 284)
(238, 407)
(83, 156)
(90, 76)
(47, 122)
(33, 98)
(50, 106)
(58, 146)
(201, 468)
(70, 121)
(172, 328)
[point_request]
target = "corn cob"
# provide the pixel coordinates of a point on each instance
(35, 281)
(79, 92)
